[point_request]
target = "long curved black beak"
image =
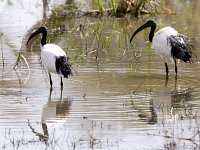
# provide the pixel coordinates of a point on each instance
(42, 30)
(149, 23)
(32, 35)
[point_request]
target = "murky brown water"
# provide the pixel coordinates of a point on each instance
(120, 100)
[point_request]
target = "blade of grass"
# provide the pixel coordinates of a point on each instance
(114, 5)
(100, 6)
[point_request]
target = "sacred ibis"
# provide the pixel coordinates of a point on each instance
(167, 43)
(53, 57)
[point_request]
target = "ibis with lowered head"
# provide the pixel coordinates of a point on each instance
(53, 57)
(167, 43)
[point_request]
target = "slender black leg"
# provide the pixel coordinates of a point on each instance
(61, 83)
(176, 70)
(167, 70)
(50, 91)
(50, 81)
(175, 88)
(166, 81)
(61, 93)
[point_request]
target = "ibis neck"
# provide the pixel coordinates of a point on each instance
(44, 38)
(151, 34)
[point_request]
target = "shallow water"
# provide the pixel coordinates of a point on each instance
(118, 97)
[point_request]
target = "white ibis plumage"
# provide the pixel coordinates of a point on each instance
(53, 57)
(167, 43)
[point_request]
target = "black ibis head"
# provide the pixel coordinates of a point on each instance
(42, 30)
(150, 23)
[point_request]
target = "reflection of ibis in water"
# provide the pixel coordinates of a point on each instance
(53, 57)
(54, 114)
(168, 43)
(171, 103)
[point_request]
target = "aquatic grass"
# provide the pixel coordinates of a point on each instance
(91, 41)
(111, 35)
(138, 7)
(117, 8)
(12, 142)
(114, 7)
(99, 36)
(100, 6)
(19, 58)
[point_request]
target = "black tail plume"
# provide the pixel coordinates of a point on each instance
(180, 48)
(63, 67)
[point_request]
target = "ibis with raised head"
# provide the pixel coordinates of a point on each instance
(53, 57)
(167, 43)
